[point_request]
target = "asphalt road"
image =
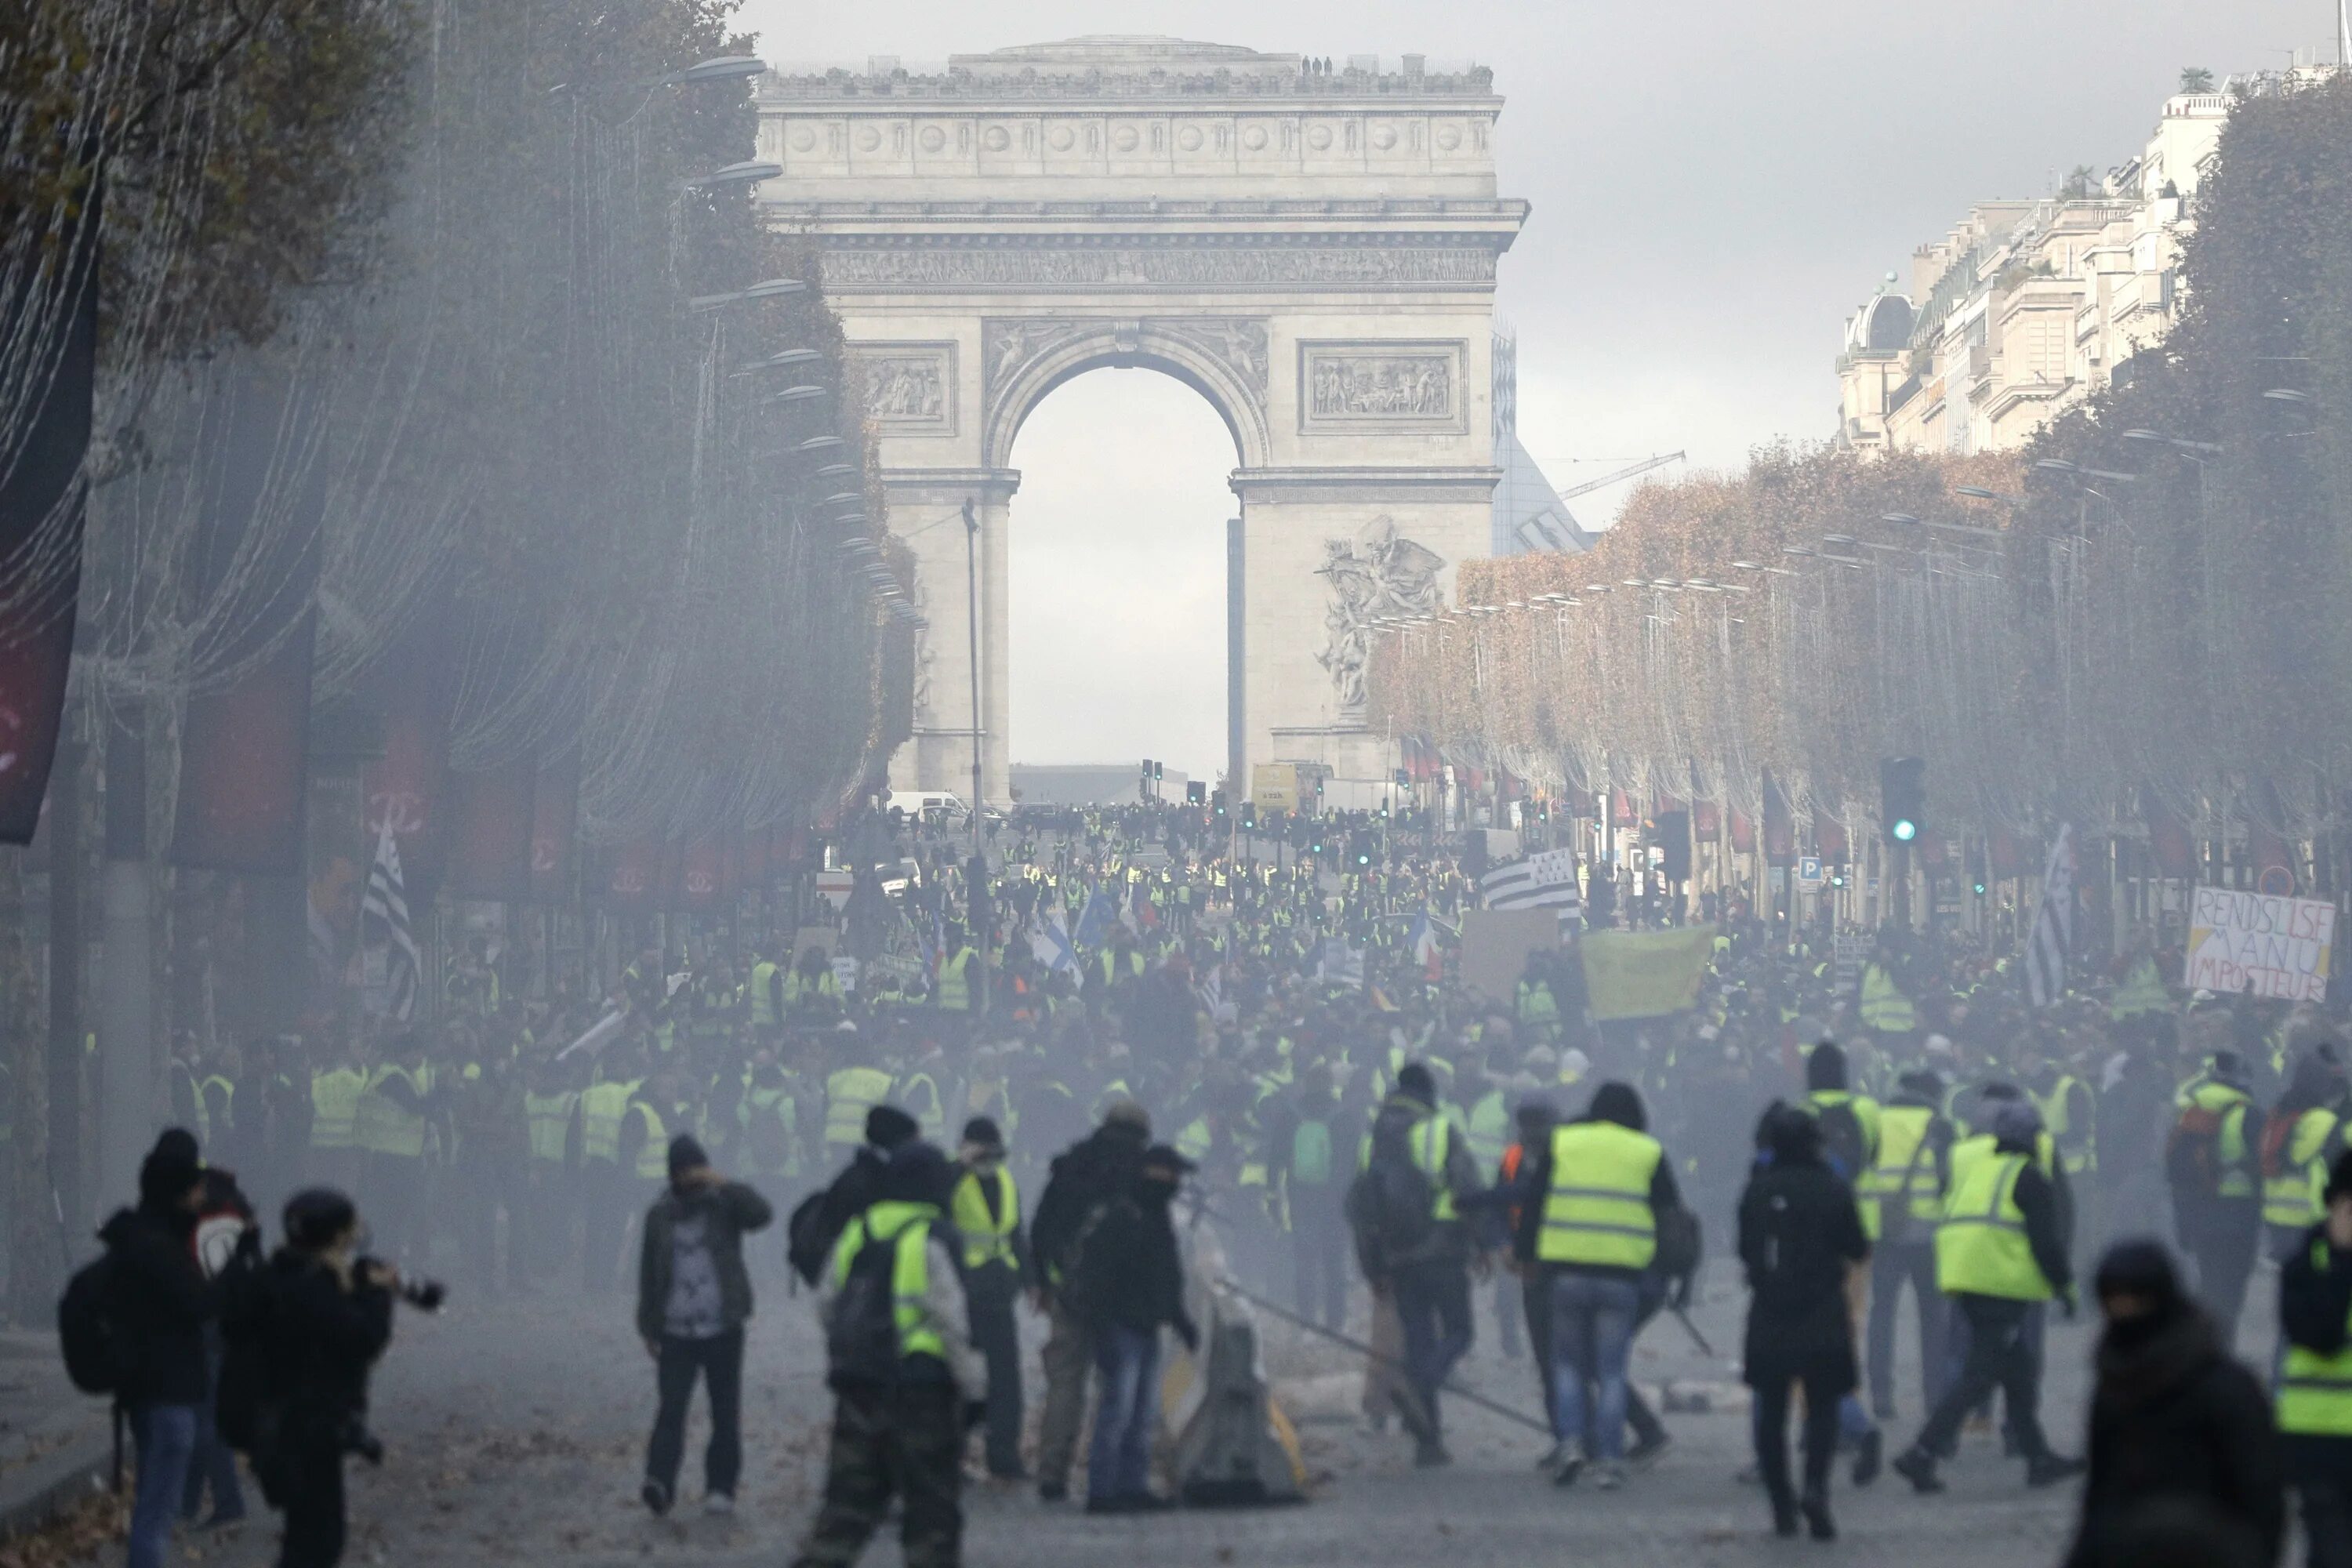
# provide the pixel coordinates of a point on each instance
(516, 1432)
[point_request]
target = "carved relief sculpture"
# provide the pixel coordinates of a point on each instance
(1417, 387)
(851, 265)
(909, 387)
(1377, 574)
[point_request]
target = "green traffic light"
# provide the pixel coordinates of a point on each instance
(1904, 830)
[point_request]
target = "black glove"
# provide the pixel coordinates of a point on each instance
(1189, 1335)
(975, 1411)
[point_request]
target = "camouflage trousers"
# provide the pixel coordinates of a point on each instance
(907, 1444)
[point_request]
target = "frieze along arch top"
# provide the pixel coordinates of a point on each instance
(1312, 249)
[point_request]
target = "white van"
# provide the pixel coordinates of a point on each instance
(928, 806)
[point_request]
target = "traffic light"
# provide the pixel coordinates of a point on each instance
(1156, 771)
(1903, 798)
(1359, 850)
(1195, 791)
(1249, 817)
(1217, 804)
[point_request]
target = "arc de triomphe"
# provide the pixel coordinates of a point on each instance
(1312, 249)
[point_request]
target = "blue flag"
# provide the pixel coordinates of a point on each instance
(1094, 920)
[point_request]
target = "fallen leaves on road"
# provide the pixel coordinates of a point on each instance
(78, 1534)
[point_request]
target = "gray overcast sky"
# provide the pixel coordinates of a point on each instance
(1715, 185)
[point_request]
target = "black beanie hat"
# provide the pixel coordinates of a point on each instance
(2139, 1266)
(1415, 1080)
(1621, 1103)
(886, 1127)
(315, 1215)
(179, 1144)
(1825, 1068)
(166, 1176)
(685, 1154)
(983, 1132)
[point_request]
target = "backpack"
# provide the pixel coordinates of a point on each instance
(1310, 1154)
(1843, 1144)
(1081, 1290)
(861, 1329)
(2192, 1153)
(1393, 1199)
(93, 1350)
(809, 1236)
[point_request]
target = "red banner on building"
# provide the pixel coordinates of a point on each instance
(408, 785)
(1829, 836)
(554, 825)
(490, 831)
(695, 875)
(243, 773)
(628, 877)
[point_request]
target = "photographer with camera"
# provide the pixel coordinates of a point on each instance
(303, 1339)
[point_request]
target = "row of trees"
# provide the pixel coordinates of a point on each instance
(454, 423)
(2139, 619)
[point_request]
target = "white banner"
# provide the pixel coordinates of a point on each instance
(2279, 946)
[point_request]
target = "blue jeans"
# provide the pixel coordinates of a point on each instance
(212, 1463)
(1433, 1303)
(1118, 1465)
(1592, 1321)
(166, 1437)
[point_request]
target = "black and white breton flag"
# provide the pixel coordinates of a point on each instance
(2052, 937)
(386, 903)
(1540, 881)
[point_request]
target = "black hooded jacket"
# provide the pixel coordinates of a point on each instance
(1095, 1169)
(158, 1299)
(2175, 1418)
(1798, 1234)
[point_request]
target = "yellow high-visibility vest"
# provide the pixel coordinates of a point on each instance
(953, 992)
(2293, 1197)
(2314, 1392)
(849, 1094)
(383, 1126)
(2229, 1103)
(907, 1227)
(550, 1118)
(1597, 1211)
(2057, 1110)
(1490, 1128)
(334, 1106)
(986, 1238)
(764, 994)
(1430, 1140)
(653, 1154)
(2142, 991)
(1982, 1247)
(1885, 1008)
(603, 1107)
(1904, 1170)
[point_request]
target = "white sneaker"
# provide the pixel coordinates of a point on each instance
(719, 1504)
(1609, 1478)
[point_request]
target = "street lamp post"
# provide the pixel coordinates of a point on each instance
(972, 600)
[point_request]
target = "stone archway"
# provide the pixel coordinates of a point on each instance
(1314, 252)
